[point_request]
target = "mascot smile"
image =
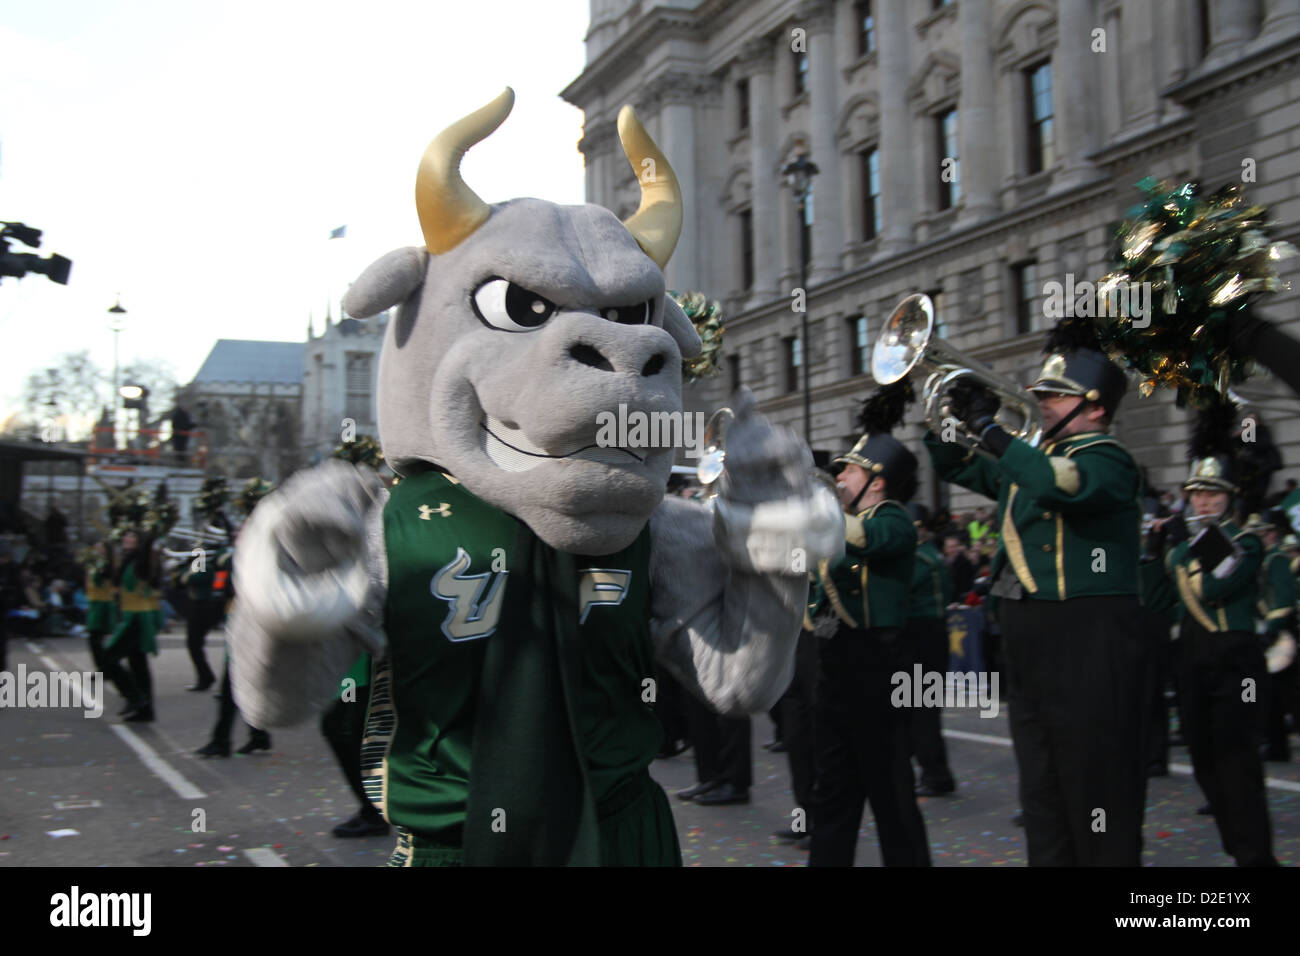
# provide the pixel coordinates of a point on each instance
(518, 584)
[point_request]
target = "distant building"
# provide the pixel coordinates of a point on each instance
(340, 373)
(247, 398)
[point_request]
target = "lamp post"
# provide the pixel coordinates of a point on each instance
(116, 324)
(798, 176)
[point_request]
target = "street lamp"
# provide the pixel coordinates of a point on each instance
(116, 324)
(798, 176)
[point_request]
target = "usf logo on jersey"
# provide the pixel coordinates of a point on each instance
(474, 601)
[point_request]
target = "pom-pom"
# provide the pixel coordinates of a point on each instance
(1203, 260)
(883, 409)
(254, 490)
(706, 316)
(362, 451)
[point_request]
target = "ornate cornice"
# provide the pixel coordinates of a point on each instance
(1226, 80)
(816, 16)
(627, 54)
(598, 138)
(756, 56)
(678, 87)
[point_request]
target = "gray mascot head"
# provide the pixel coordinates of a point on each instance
(519, 323)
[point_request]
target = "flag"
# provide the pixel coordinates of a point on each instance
(339, 233)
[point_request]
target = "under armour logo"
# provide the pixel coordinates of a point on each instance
(443, 509)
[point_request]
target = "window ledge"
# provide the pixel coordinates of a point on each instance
(948, 10)
(794, 104)
(866, 59)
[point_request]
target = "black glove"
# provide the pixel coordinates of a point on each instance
(974, 405)
(1155, 542)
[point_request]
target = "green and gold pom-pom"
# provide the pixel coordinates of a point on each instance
(93, 561)
(254, 490)
(212, 498)
(706, 316)
(363, 451)
(1206, 260)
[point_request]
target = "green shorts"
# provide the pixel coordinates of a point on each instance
(636, 829)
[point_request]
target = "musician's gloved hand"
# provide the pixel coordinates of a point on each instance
(974, 405)
(1154, 546)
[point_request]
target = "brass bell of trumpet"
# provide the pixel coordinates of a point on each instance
(907, 345)
(711, 467)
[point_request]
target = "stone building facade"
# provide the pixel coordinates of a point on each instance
(340, 377)
(974, 150)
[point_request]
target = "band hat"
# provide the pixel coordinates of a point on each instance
(1087, 373)
(1213, 473)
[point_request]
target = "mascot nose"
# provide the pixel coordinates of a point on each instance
(648, 359)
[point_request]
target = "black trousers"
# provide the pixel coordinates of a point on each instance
(226, 711)
(670, 707)
(137, 685)
(861, 747)
(99, 657)
(1078, 674)
(201, 617)
(925, 642)
(722, 745)
(1220, 728)
(797, 720)
(1283, 699)
(343, 726)
(1156, 627)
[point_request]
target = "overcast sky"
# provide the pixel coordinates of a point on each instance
(194, 156)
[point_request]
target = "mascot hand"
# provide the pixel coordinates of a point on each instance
(773, 516)
(300, 563)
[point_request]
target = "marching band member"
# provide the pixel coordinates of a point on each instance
(1064, 586)
(1211, 576)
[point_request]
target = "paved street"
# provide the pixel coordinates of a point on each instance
(127, 794)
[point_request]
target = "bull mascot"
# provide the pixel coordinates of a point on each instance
(517, 583)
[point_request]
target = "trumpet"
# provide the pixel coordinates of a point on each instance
(907, 344)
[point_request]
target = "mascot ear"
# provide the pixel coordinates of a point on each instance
(680, 328)
(387, 282)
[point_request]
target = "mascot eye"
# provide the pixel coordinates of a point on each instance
(638, 314)
(504, 305)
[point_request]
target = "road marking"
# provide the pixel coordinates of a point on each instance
(161, 768)
(92, 703)
(1179, 768)
(978, 738)
(264, 856)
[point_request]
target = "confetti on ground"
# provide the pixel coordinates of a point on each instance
(63, 833)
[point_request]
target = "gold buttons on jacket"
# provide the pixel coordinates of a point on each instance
(1047, 547)
(855, 567)
(1047, 516)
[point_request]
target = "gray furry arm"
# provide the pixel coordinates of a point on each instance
(727, 633)
(311, 578)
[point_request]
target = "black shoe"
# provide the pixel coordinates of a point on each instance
(724, 794)
(1019, 819)
(214, 749)
(201, 685)
(790, 835)
(363, 825)
(805, 844)
(1205, 810)
(928, 790)
(776, 745)
(258, 740)
(141, 715)
(1158, 770)
(690, 793)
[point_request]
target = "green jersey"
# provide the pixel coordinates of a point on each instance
(450, 559)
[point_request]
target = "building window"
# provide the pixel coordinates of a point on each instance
(949, 165)
(866, 27)
(860, 346)
(1203, 16)
(871, 221)
(1023, 283)
(733, 373)
(793, 363)
(746, 249)
(936, 297)
(742, 105)
(356, 404)
(1038, 97)
(800, 73)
